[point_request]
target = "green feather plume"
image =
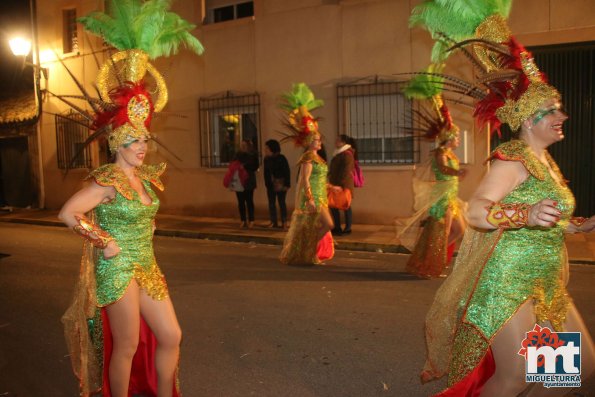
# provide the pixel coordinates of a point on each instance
(300, 95)
(456, 19)
(145, 25)
(425, 86)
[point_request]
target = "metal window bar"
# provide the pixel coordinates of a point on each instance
(70, 39)
(379, 117)
(224, 121)
(70, 136)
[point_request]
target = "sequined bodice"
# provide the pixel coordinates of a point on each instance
(318, 181)
(452, 161)
(527, 262)
(130, 222)
(448, 184)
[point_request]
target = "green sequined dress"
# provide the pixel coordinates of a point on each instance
(300, 245)
(497, 271)
(130, 222)
(104, 281)
(429, 257)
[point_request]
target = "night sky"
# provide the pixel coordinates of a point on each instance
(15, 19)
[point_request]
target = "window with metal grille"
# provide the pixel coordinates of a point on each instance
(69, 35)
(226, 120)
(378, 116)
(227, 10)
(71, 133)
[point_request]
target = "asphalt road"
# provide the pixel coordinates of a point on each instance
(252, 327)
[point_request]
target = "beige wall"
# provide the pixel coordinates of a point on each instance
(320, 42)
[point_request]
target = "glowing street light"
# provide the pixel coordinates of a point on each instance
(20, 46)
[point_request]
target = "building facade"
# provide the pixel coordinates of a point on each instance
(350, 52)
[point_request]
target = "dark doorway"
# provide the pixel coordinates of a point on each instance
(571, 69)
(16, 189)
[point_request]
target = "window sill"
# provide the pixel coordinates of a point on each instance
(215, 170)
(387, 167)
(227, 24)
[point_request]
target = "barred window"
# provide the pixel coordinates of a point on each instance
(378, 116)
(228, 10)
(71, 133)
(226, 120)
(69, 34)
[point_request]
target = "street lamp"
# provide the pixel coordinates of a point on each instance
(21, 47)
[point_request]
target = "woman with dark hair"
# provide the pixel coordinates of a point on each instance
(277, 179)
(249, 160)
(340, 178)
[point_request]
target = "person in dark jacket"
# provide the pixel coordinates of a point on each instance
(340, 177)
(277, 179)
(249, 159)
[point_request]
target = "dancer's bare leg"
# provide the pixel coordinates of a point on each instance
(509, 378)
(457, 228)
(326, 223)
(161, 318)
(574, 323)
(124, 319)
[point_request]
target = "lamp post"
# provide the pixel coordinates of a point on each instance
(21, 47)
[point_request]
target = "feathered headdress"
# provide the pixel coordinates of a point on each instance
(141, 30)
(510, 87)
(433, 118)
(302, 125)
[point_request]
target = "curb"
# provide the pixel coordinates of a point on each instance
(240, 238)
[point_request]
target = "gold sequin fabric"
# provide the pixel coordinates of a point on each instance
(449, 197)
(429, 256)
(130, 222)
(299, 246)
(112, 175)
(497, 271)
(514, 112)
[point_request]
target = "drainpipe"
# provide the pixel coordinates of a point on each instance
(41, 188)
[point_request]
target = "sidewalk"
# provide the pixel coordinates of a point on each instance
(374, 238)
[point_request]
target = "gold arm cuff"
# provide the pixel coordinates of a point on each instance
(92, 232)
(508, 216)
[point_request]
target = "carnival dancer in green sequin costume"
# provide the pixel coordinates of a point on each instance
(512, 268)
(121, 328)
(436, 187)
(308, 240)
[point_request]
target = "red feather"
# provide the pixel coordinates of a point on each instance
(120, 97)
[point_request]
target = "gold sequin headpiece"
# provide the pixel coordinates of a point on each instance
(447, 129)
(512, 70)
(509, 88)
(132, 106)
(302, 124)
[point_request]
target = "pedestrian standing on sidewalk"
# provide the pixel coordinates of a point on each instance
(121, 327)
(277, 179)
(340, 178)
(308, 240)
(249, 159)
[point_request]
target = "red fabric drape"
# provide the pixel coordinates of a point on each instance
(143, 376)
(471, 385)
(325, 249)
